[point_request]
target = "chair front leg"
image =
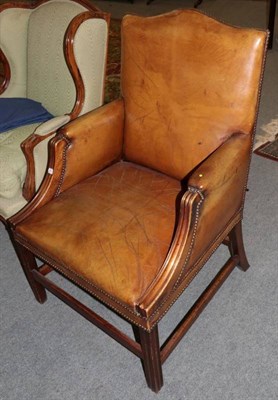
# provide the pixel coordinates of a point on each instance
(151, 358)
(28, 263)
(236, 246)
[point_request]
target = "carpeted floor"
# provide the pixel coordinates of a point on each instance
(267, 132)
(48, 352)
(269, 150)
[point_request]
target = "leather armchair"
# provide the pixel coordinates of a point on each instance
(140, 192)
(54, 52)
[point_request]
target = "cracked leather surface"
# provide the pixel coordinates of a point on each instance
(114, 228)
(189, 84)
(187, 87)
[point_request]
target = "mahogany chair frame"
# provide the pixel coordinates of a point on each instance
(146, 345)
(5, 72)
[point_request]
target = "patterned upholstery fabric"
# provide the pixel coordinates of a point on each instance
(28, 38)
(13, 42)
(95, 32)
(12, 169)
(46, 80)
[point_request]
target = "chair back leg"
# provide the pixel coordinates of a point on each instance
(236, 246)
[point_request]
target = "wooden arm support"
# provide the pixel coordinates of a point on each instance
(79, 150)
(27, 147)
(95, 140)
(207, 209)
(70, 55)
(69, 50)
(42, 132)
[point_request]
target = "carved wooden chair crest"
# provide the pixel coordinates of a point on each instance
(142, 191)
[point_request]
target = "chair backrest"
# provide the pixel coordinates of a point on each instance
(33, 42)
(13, 44)
(188, 83)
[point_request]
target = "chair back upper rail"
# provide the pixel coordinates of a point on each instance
(49, 80)
(85, 53)
(87, 58)
(5, 72)
(13, 39)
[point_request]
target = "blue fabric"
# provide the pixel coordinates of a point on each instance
(15, 112)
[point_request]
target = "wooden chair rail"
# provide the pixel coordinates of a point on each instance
(174, 338)
(90, 315)
(148, 239)
(146, 344)
(45, 269)
(197, 308)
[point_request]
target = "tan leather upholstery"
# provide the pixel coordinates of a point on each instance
(132, 214)
(186, 88)
(140, 193)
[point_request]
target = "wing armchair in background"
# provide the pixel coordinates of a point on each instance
(140, 192)
(54, 53)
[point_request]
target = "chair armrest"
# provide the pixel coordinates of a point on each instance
(41, 133)
(222, 165)
(52, 125)
(221, 180)
(212, 203)
(79, 150)
(94, 141)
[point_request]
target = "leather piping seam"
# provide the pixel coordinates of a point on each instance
(194, 233)
(191, 190)
(53, 263)
(29, 247)
(64, 166)
(190, 270)
(96, 295)
(259, 95)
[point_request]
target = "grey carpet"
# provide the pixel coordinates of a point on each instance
(48, 352)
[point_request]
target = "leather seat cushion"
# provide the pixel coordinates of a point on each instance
(113, 229)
